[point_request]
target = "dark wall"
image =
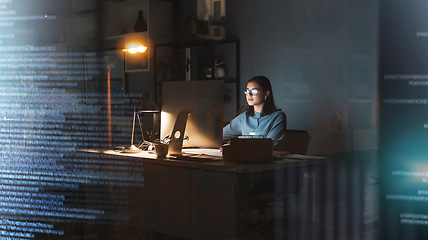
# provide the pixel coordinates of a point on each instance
(321, 57)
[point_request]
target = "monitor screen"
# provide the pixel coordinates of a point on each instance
(205, 102)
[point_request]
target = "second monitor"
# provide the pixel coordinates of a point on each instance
(204, 100)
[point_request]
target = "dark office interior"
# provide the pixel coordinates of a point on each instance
(74, 94)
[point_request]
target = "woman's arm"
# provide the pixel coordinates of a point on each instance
(277, 131)
(233, 129)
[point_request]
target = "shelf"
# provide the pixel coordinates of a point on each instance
(229, 80)
(123, 36)
(120, 17)
(194, 43)
(190, 60)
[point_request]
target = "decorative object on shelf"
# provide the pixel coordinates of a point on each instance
(141, 24)
(219, 72)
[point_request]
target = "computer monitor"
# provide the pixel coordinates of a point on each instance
(204, 100)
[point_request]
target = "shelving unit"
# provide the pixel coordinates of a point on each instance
(120, 17)
(193, 59)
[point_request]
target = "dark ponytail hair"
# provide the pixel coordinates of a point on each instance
(269, 105)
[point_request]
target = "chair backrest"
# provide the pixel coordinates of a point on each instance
(296, 141)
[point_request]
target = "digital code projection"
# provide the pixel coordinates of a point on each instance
(53, 103)
(404, 119)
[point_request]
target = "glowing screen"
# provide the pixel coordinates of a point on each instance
(404, 122)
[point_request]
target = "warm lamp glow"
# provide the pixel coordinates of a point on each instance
(135, 48)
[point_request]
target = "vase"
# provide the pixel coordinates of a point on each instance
(141, 24)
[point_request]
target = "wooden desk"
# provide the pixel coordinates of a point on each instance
(207, 200)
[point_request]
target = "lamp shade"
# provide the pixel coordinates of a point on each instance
(148, 105)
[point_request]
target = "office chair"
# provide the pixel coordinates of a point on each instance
(296, 141)
(289, 184)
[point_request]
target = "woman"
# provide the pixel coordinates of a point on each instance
(262, 117)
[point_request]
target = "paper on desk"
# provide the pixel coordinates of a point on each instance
(211, 152)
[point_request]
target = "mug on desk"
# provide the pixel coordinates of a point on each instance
(161, 149)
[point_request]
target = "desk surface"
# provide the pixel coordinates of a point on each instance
(206, 200)
(217, 164)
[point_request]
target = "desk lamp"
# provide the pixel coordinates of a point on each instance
(148, 106)
(134, 48)
(133, 148)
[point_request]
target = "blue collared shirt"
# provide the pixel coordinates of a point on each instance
(269, 126)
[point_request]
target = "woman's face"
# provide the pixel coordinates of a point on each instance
(253, 98)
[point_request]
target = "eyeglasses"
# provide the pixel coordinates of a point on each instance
(252, 91)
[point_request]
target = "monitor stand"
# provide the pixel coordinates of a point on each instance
(177, 135)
